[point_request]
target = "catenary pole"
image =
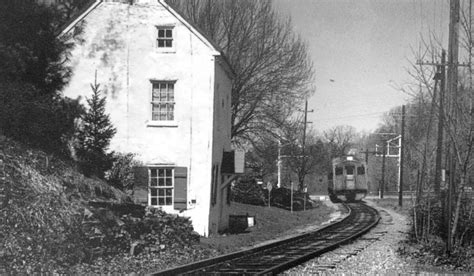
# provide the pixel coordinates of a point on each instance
(400, 172)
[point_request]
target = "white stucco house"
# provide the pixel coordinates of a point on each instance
(168, 94)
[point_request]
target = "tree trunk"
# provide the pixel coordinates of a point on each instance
(458, 205)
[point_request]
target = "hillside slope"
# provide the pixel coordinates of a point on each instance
(42, 201)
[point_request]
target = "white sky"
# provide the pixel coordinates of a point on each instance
(365, 47)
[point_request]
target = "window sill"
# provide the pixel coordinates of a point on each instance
(162, 124)
(166, 50)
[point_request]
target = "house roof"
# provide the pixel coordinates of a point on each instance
(79, 16)
(82, 14)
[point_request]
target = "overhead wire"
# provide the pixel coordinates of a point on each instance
(373, 114)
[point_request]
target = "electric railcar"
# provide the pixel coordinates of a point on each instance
(348, 180)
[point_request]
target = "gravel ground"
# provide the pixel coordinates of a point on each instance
(373, 254)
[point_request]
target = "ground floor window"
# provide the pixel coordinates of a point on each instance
(161, 185)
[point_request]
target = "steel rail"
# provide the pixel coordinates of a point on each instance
(276, 257)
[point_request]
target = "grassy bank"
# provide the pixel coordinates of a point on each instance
(271, 223)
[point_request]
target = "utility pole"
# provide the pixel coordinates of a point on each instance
(384, 152)
(303, 162)
(453, 50)
(279, 164)
(439, 144)
(400, 171)
(452, 82)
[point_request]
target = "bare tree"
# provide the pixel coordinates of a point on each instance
(340, 139)
(460, 121)
(272, 69)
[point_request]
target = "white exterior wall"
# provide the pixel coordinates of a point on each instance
(219, 217)
(119, 41)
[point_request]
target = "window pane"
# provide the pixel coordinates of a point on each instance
(168, 172)
(169, 201)
(153, 172)
(349, 170)
(169, 182)
(171, 112)
(153, 182)
(161, 172)
(163, 87)
(161, 201)
(155, 94)
(161, 182)
(169, 192)
(339, 170)
(161, 33)
(169, 43)
(360, 170)
(154, 192)
(162, 96)
(169, 33)
(161, 43)
(161, 192)
(154, 202)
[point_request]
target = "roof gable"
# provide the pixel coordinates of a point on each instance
(215, 50)
(193, 28)
(94, 4)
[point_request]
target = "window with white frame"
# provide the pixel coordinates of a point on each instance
(162, 101)
(161, 184)
(165, 37)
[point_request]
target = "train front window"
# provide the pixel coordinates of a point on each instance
(339, 170)
(360, 170)
(349, 170)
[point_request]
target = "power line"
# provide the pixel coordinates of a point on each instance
(351, 116)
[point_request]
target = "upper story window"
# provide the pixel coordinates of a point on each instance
(165, 37)
(162, 101)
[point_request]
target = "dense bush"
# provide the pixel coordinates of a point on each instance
(32, 73)
(281, 197)
(121, 175)
(247, 191)
(430, 228)
(40, 122)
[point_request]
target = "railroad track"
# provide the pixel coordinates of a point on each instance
(276, 257)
